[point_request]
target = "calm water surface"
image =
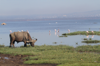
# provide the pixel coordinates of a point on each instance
(40, 30)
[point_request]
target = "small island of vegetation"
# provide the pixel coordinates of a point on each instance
(81, 33)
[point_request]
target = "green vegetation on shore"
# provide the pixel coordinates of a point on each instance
(90, 41)
(81, 33)
(60, 54)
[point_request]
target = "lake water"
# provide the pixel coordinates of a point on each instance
(40, 29)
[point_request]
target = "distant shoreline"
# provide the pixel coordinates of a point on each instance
(39, 19)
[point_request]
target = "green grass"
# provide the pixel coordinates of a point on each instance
(81, 33)
(60, 54)
(80, 64)
(85, 39)
(88, 41)
(91, 41)
(88, 48)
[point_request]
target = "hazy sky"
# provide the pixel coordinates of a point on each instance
(38, 7)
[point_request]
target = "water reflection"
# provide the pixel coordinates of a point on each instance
(68, 31)
(90, 37)
(87, 36)
(49, 32)
(57, 33)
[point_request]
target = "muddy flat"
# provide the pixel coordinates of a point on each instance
(10, 60)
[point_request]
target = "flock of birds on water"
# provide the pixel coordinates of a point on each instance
(57, 32)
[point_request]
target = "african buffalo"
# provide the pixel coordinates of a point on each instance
(21, 37)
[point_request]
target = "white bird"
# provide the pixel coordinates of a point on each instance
(58, 30)
(18, 31)
(68, 31)
(55, 30)
(87, 31)
(92, 36)
(27, 31)
(22, 30)
(49, 32)
(92, 31)
(10, 31)
(87, 36)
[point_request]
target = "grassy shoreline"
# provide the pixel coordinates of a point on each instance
(62, 55)
(81, 33)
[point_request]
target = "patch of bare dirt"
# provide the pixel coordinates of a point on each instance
(10, 60)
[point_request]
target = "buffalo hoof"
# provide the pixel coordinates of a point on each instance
(25, 45)
(9, 46)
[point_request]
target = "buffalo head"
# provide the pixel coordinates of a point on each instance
(32, 42)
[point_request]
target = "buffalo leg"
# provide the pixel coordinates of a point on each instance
(25, 45)
(10, 44)
(13, 43)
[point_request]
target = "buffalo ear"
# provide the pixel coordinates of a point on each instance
(33, 41)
